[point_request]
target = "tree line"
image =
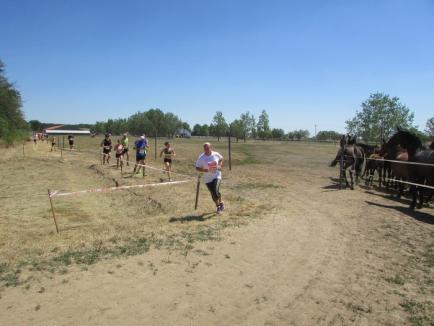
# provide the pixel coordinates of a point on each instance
(13, 126)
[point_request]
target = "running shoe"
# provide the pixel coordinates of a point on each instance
(222, 206)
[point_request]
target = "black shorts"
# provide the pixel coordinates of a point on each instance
(125, 151)
(168, 160)
(71, 142)
(106, 151)
(118, 155)
(214, 189)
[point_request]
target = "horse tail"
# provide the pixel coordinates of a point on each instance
(337, 159)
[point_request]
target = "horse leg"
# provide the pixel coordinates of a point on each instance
(421, 196)
(380, 175)
(345, 177)
(413, 191)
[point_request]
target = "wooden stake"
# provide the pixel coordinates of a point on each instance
(52, 211)
(61, 152)
(155, 147)
(341, 169)
(23, 150)
(229, 147)
(197, 192)
(101, 158)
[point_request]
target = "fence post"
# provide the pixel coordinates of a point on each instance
(52, 211)
(229, 147)
(155, 147)
(197, 192)
(341, 169)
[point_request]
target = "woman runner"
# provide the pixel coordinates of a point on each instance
(124, 142)
(119, 149)
(168, 152)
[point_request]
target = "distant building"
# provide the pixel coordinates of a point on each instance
(183, 133)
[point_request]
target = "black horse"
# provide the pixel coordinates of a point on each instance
(349, 155)
(418, 173)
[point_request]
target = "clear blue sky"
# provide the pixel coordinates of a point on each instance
(305, 62)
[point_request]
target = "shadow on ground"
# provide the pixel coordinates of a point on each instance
(417, 215)
(190, 218)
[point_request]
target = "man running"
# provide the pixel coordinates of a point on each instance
(124, 142)
(106, 145)
(71, 140)
(168, 152)
(140, 145)
(210, 163)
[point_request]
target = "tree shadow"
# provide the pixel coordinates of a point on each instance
(417, 215)
(190, 218)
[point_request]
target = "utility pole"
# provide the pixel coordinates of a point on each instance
(315, 129)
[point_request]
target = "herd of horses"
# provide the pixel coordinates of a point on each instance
(401, 161)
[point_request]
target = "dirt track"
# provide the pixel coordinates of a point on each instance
(319, 256)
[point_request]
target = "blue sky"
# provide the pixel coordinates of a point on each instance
(304, 62)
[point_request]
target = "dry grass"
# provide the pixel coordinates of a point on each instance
(100, 225)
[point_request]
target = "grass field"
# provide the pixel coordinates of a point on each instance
(306, 252)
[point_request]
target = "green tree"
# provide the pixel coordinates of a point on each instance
(36, 125)
(430, 127)
(197, 129)
(186, 126)
(12, 124)
(172, 124)
(247, 125)
(263, 125)
(219, 125)
(277, 133)
(328, 135)
(237, 129)
(379, 117)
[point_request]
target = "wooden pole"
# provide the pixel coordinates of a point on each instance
(52, 211)
(341, 168)
(101, 157)
(155, 147)
(229, 147)
(63, 142)
(58, 142)
(23, 150)
(197, 192)
(61, 152)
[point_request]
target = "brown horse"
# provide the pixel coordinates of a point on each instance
(399, 171)
(349, 155)
(418, 173)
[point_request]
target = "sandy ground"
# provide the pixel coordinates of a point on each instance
(317, 256)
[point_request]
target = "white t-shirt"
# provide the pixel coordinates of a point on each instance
(210, 162)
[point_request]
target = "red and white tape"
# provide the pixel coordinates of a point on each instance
(57, 193)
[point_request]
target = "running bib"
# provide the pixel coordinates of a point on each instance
(141, 151)
(212, 166)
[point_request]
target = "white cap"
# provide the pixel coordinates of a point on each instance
(142, 137)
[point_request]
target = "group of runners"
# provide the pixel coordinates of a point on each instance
(71, 141)
(209, 162)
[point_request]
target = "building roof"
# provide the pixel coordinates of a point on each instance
(60, 132)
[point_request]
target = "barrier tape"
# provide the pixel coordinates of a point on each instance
(95, 190)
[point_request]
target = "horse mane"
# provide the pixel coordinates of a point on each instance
(414, 140)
